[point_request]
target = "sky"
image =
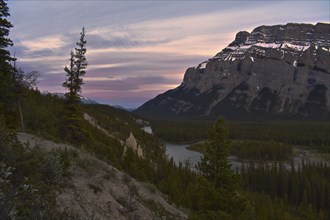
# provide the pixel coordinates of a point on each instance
(138, 49)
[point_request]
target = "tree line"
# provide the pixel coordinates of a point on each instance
(261, 150)
(293, 132)
(305, 186)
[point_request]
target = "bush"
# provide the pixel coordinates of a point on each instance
(53, 168)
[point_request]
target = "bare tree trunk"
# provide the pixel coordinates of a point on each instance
(20, 114)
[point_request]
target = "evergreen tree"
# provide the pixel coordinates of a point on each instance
(75, 73)
(77, 70)
(5, 25)
(214, 165)
(6, 84)
(80, 62)
(222, 183)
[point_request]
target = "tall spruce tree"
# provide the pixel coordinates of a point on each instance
(80, 62)
(226, 201)
(77, 70)
(5, 41)
(75, 73)
(6, 82)
(214, 165)
(221, 183)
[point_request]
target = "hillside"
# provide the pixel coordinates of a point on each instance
(109, 174)
(97, 190)
(275, 71)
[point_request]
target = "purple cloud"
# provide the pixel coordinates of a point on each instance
(138, 49)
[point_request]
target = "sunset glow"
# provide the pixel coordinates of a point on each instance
(138, 49)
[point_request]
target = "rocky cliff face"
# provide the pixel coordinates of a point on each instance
(281, 70)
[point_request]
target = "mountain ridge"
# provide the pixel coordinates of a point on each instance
(277, 71)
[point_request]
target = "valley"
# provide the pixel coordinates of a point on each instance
(152, 173)
(256, 135)
(269, 156)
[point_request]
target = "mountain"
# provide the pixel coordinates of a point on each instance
(281, 70)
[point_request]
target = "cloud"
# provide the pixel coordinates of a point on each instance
(49, 42)
(97, 41)
(137, 49)
(128, 83)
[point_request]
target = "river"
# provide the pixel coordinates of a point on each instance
(180, 153)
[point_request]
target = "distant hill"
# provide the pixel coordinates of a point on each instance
(83, 99)
(86, 100)
(123, 108)
(281, 70)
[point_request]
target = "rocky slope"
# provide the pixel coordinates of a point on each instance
(97, 190)
(281, 70)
